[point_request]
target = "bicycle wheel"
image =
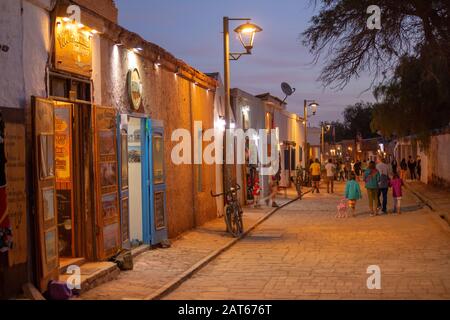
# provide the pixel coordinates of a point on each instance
(237, 227)
(228, 217)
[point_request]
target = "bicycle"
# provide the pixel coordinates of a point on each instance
(233, 211)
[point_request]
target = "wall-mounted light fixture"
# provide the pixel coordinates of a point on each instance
(158, 61)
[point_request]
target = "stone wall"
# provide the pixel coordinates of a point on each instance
(439, 160)
(105, 8)
(178, 103)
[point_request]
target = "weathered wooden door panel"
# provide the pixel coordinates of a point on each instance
(107, 183)
(158, 213)
(45, 189)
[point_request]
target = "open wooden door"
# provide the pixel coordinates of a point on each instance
(107, 183)
(122, 139)
(43, 123)
(158, 215)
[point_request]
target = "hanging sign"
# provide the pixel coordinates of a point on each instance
(73, 47)
(134, 88)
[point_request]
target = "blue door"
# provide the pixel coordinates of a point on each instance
(158, 214)
(134, 142)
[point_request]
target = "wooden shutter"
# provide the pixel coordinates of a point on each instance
(106, 180)
(45, 192)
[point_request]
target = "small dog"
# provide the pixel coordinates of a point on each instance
(342, 209)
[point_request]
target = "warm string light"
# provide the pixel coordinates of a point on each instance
(158, 63)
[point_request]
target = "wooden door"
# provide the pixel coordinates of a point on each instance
(107, 183)
(122, 138)
(158, 215)
(43, 123)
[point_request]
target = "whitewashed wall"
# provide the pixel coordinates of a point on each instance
(25, 29)
(11, 68)
(36, 46)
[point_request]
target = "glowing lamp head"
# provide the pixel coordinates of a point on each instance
(246, 34)
(313, 107)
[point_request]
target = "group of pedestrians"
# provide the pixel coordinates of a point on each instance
(378, 178)
(411, 169)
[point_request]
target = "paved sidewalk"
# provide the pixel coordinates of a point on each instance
(437, 198)
(303, 252)
(156, 269)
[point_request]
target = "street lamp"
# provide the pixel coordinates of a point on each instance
(246, 32)
(313, 105)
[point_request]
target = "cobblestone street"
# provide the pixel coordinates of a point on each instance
(303, 252)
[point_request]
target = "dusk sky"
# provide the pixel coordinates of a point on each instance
(192, 31)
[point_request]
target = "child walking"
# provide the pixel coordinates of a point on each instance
(352, 193)
(396, 184)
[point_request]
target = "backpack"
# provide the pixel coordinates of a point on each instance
(384, 182)
(58, 290)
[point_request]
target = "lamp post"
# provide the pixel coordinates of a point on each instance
(325, 128)
(313, 105)
(246, 32)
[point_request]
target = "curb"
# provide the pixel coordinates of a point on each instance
(172, 285)
(442, 220)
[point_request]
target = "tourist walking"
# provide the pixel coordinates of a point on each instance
(383, 184)
(394, 166)
(403, 169)
(396, 183)
(419, 167)
(341, 168)
(357, 168)
(352, 192)
(330, 169)
(412, 168)
(371, 178)
(315, 174)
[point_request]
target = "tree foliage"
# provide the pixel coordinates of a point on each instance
(411, 52)
(357, 120)
(415, 100)
(339, 32)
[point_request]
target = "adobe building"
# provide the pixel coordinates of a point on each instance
(89, 110)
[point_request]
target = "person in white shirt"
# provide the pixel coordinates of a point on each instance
(330, 167)
(385, 173)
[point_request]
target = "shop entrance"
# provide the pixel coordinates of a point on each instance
(137, 154)
(57, 175)
(142, 181)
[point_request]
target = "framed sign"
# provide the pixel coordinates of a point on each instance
(134, 88)
(158, 159)
(46, 156)
(73, 48)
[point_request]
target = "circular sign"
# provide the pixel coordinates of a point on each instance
(135, 88)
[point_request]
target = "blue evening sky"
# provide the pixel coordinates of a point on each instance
(192, 31)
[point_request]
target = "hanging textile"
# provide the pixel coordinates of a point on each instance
(5, 225)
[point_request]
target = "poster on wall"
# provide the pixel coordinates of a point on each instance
(48, 203)
(50, 245)
(63, 120)
(46, 156)
(15, 190)
(108, 172)
(107, 142)
(109, 205)
(158, 159)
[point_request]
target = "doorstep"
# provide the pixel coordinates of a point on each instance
(139, 250)
(94, 273)
(64, 263)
